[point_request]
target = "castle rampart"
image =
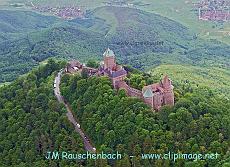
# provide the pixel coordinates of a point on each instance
(129, 90)
(155, 95)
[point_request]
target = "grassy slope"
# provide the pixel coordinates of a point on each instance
(215, 78)
(110, 19)
(181, 11)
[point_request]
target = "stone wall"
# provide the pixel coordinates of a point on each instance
(129, 90)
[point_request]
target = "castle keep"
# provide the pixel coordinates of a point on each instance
(155, 95)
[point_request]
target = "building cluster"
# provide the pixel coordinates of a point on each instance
(214, 15)
(213, 3)
(75, 66)
(214, 10)
(155, 95)
(120, 4)
(71, 12)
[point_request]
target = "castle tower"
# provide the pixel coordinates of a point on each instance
(148, 96)
(109, 59)
(168, 91)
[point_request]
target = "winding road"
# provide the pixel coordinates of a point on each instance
(87, 144)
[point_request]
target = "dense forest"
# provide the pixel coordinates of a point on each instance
(33, 122)
(198, 123)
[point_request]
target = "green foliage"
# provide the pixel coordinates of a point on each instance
(138, 81)
(20, 56)
(190, 77)
(92, 63)
(84, 73)
(33, 122)
(199, 122)
(30, 44)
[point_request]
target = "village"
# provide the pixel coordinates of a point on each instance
(64, 12)
(155, 95)
(210, 10)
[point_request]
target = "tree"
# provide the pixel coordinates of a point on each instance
(110, 138)
(92, 63)
(84, 73)
(124, 162)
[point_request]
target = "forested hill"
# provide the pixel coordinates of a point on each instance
(21, 21)
(198, 123)
(16, 24)
(26, 39)
(33, 122)
(180, 44)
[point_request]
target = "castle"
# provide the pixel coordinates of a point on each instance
(155, 95)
